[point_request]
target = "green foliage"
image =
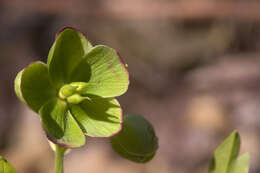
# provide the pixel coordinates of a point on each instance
(226, 160)
(137, 140)
(5, 167)
(74, 92)
(241, 164)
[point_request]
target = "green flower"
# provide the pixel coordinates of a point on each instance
(74, 92)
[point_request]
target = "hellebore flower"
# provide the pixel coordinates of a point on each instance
(74, 92)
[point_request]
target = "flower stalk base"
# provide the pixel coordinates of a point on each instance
(59, 158)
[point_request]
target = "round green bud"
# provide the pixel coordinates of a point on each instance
(136, 141)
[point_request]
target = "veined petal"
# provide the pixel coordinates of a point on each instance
(108, 75)
(67, 51)
(32, 86)
(98, 117)
(60, 126)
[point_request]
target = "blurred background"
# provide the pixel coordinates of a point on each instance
(195, 75)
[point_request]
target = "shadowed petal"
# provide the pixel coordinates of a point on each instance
(32, 86)
(98, 117)
(67, 51)
(108, 75)
(60, 126)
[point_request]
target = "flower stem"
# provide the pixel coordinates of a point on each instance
(59, 159)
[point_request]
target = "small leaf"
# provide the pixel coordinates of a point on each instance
(60, 126)
(241, 165)
(109, 77)
(67, 51)
(32, 86)
(5, 167)
(98, 117)
(136, 141)
(225, 157)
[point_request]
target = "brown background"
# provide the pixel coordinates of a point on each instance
(195, 74)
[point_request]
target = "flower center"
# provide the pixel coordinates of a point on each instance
(72, 93)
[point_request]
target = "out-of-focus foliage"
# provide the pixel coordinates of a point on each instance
(6, 167)
(226, 159)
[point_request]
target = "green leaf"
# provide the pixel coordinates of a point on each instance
(98, 117)
(109, 77)
(225, 157)
(136, 141)
(32, 86)
(241, 165)
(226, 152)
(60, 126)
(67, 51)
(5, 167)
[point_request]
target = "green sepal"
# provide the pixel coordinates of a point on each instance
(67, 51)
(225, 157)
(5, 166)
(136, 141)
(109, 76)
(98, 117)
(17, 84)
(60, 126)
(33, 86)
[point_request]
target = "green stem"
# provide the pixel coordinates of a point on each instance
(59, 159)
